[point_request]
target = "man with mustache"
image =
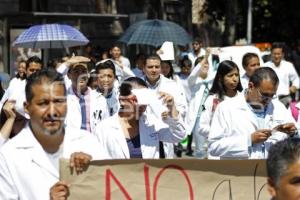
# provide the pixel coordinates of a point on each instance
(29, 163)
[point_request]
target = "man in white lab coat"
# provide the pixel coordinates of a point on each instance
(197, 50)
(247, 125)
(108, 85)
(286, 72)
(29, 162)
(156, 81)
(86, 107)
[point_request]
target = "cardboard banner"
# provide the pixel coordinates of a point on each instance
(174, 179)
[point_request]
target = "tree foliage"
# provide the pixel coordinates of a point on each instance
(273, 20)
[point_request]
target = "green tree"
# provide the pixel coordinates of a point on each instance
(273, 20)
(276, 20)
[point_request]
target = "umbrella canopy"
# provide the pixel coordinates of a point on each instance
(50, 36)
(155, 33)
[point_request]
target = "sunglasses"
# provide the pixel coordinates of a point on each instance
(266, 97)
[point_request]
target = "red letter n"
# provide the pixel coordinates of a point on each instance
(110, 175)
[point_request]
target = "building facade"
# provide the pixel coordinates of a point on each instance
(101, 21)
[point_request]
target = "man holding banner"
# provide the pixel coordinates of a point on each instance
(29, 162)
(247, 125)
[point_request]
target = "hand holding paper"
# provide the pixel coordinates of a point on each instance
(260, 135)
(288, 128)
(150, 98)
(168, 100)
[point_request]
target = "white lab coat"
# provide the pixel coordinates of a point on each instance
(113, 141)
(2, 140)
(122, 73)
(26, 172)
(208, 113)
(196, 87)
(170, 86)
(15, 91)
(206, 118)
(192, 56)
(14, 85)
(287, 75)
(244, 81)
(234, 122)
(125, 62)
(63, 69)
(181, 89)
(98, 109)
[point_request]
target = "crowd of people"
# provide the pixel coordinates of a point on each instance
(84, 109)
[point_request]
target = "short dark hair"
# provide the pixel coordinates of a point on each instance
(277, 45)
(185, 62)
(53, 62)
(128, 84)
(48, 75)
(264, 73)
(140, 56)
(281, 155)
(118, 45)
(198, 60)
(247, 57)
(33, 59)
(153, 57)
(197, 39)
(218, 86)
(108, 64)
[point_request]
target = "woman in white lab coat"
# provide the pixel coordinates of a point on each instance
(198, 84)
(135, 131)
(226, 85)
(168, 72)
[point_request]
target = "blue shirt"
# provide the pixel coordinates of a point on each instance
(134, 146)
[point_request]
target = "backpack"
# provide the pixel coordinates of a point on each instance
(294, 110)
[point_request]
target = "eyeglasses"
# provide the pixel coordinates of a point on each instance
(266, 97)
